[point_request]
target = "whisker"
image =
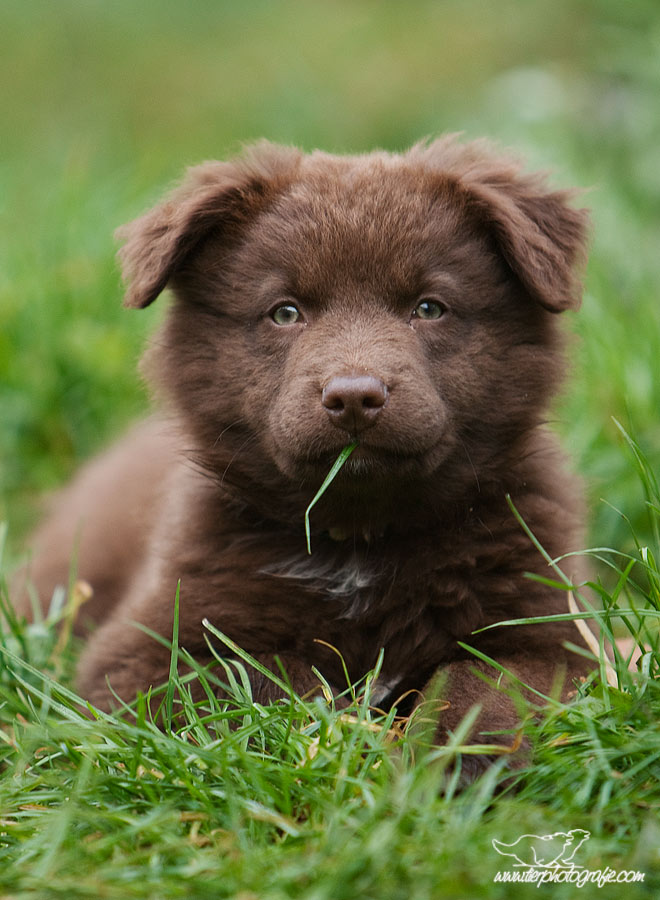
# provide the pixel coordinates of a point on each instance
(224, 431)
(250, 439)
(467, 453)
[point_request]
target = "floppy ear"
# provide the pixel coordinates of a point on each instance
(213, 195)
(540, 234)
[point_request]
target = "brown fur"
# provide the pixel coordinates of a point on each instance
(414, 546)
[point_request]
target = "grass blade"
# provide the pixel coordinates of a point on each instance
(329, 478)
(174, 659)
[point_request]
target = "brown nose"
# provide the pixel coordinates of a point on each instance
(353, 402)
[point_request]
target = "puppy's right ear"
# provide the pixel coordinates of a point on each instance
(213, 195)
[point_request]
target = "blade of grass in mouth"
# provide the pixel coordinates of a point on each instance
(329, 478)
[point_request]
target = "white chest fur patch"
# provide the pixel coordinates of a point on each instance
(351, 579)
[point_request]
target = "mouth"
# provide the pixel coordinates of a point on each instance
(367, 461)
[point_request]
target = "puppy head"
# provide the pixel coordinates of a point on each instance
(402, 301)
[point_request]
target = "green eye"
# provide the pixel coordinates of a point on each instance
(428, 309)
(286, 314)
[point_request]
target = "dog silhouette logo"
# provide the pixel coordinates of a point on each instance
(546, 850)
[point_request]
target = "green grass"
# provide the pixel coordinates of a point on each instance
(103, 106)
(300, 799)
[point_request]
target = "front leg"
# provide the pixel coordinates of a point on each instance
(121, 660)
(123, 656)
(468, 682)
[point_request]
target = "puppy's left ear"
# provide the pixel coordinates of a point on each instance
(542, 237)
(213, 197)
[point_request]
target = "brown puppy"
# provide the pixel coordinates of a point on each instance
(406, 302)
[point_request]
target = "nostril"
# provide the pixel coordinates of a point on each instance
(332, 400)
(375, 399)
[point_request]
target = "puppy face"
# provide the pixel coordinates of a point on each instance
(404, 303)
(375, 312)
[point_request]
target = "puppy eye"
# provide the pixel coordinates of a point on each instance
(428, 309)
(286, 314)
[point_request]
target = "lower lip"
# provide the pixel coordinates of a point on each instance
(363, 458)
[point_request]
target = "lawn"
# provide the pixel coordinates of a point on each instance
(102, 106)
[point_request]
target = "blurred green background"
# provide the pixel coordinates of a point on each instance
(102, 104)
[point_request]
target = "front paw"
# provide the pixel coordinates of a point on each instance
(478, 723)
